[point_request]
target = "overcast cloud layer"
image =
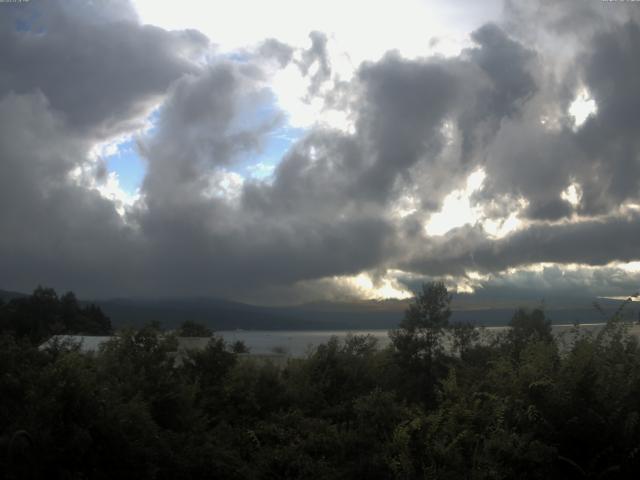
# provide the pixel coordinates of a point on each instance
(345, 199)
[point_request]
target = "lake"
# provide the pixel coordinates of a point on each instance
(297, 343)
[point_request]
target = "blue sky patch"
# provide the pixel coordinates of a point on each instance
(131, 168)
(260, 165)
(128, 165)
(276, 144)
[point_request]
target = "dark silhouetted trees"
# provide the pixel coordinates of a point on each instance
(43, 314)
(418, 340)
(528, 327)
(517, 406)
(189, 328)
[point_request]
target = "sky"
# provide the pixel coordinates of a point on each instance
(292, 151)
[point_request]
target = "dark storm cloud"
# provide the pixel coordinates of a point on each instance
(508, 66)
(536, 162)
(338, 186)
(566, 18)
(562, 291)
(591, 242)
(420, 127)
(274, 234)
(326, 212)
(522, 157)
(403, 107)
(97, 65)
(400, 108)
(527, 160)
(318, 174)
(70, 74)
(611, 71)
(53, 231)
(195, 132)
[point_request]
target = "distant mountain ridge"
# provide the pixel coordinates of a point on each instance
(230, 315)
(220, 314)
(8, 295)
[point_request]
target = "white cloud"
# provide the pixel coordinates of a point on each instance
(405, 206)
(633, 267)
(226, 185)
(500, 228)
(364, 28)
(108, 187)
(456, 209)
(366, 287)
(572, 194)
(291, 90)
(357, 30)
(111, 190)
(582, 107)
(261, 170)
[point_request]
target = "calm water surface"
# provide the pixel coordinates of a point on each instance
(297, 343)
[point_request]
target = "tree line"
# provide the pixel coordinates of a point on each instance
(517, 407)
(43, 314)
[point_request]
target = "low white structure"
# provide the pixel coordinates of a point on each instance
(92, 343)
(87, 343)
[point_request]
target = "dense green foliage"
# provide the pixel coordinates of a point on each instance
(43, 314)
(189, 328)
(523, 405)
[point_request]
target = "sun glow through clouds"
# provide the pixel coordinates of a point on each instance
(582, 107)
(502, 227)
(385, 287)
(456, 208)
(331, 150)
(572, 194)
